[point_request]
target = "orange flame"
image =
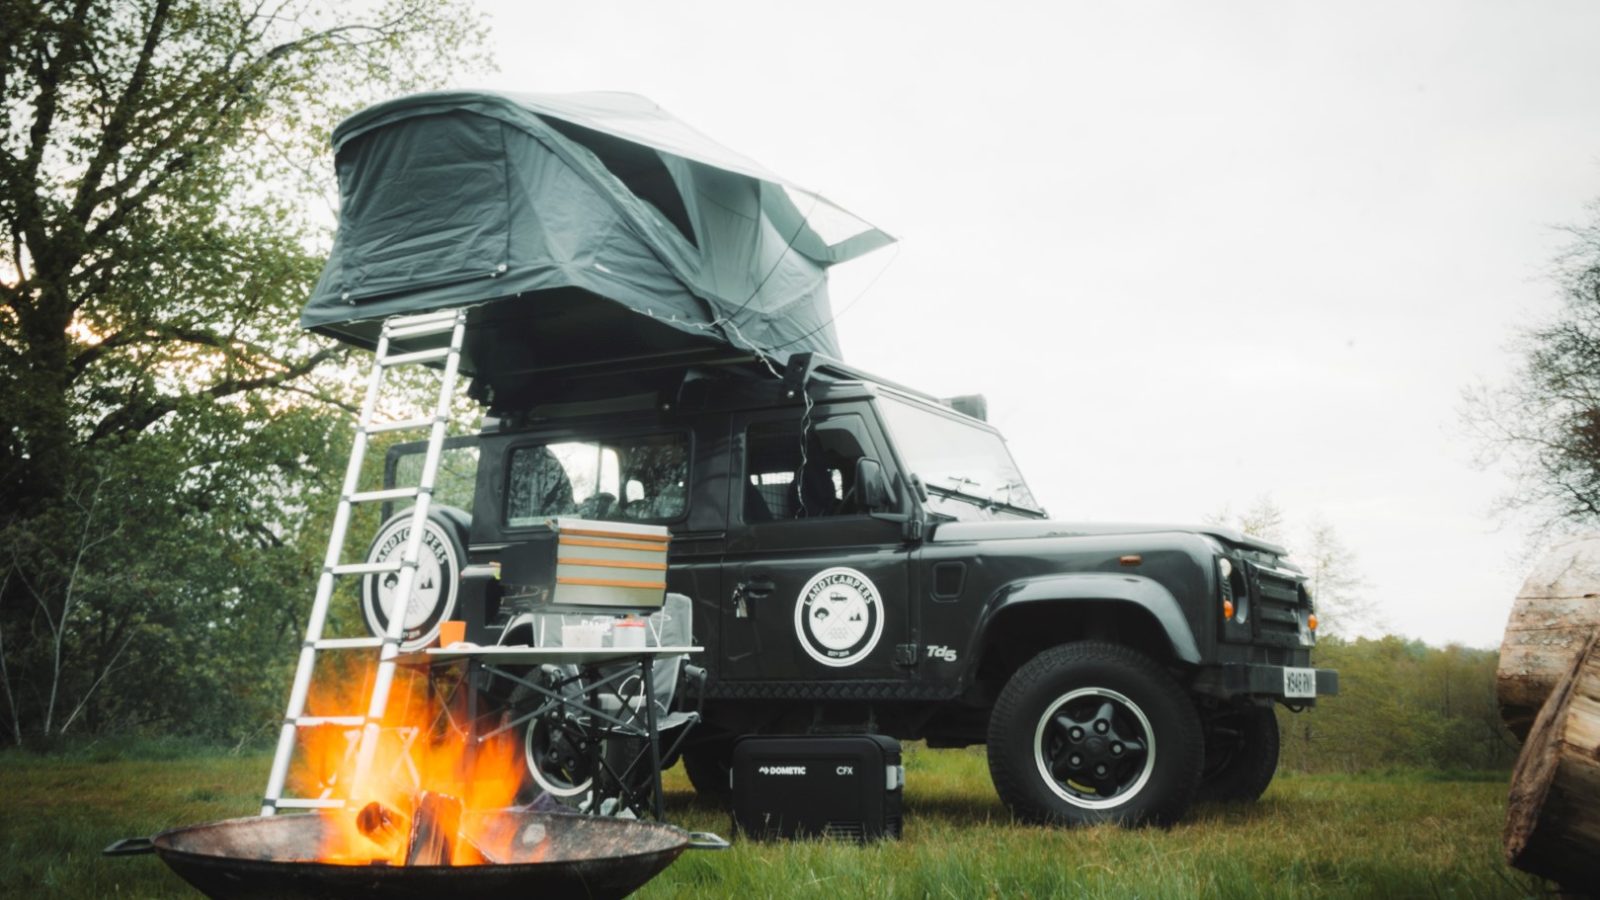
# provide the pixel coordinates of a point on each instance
(423, 745)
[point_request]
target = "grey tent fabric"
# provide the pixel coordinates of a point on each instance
(462, 198)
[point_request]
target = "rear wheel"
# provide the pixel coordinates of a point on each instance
(557, 758)
(1241, 755)
(1090, 732)
(707, 765)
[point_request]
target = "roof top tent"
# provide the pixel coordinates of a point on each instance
(587, 232)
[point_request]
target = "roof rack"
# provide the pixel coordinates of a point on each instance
(802, 366)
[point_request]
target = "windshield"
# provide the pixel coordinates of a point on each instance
(967, 470)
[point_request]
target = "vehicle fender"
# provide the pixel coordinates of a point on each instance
(1137, 590)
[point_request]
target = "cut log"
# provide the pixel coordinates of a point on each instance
(1554, 614)
(1553, 813)
(435, 830)
(437, 838)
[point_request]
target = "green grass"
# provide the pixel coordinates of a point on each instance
(1394, 834)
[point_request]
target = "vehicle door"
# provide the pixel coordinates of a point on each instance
(816, 585)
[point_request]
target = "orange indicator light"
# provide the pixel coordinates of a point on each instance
(1227, 609)
(1311, 622)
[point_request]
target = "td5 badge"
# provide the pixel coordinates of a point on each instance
(839, 617)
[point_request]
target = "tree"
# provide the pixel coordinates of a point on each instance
(1264, 519)
(1344, 608)
(1546, 422)
(163, 194)
(1333, 574)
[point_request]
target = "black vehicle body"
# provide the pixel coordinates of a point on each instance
(962, 604)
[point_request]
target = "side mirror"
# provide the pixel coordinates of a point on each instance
(871, 487)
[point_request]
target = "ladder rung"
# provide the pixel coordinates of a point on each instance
(360, 643)
(347, 721)
(438, 315)
(405, 493)
(420, 329)
(377, 568)
(416, 356)
(400, 425)
(308, 803)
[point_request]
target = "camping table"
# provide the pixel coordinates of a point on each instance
(493, 662)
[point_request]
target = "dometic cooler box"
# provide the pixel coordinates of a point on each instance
(846, 786)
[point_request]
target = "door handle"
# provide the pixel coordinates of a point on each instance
(757, 588)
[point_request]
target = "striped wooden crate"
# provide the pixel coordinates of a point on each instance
(578, 564)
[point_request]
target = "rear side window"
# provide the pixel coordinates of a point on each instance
(455, 481)
(634, 479)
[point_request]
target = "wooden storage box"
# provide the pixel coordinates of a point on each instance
(586, 566)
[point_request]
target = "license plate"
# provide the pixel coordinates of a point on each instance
(1299, 682)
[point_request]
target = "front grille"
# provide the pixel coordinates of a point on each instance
(1275, 594)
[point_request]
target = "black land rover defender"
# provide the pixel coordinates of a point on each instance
(866, 558)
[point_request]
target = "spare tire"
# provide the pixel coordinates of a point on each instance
(438, 578)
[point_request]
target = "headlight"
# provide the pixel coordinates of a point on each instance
(1235, 593)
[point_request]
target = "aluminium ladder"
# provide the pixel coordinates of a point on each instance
(453, 323)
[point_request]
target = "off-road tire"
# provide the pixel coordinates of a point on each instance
(1047, 720)
(707, 766)
(1241, 755)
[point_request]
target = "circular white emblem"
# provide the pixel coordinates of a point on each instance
(838, 617)
(433, 590)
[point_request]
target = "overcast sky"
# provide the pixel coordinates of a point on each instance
(1193, 253)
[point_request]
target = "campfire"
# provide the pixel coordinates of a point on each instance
(419, 802)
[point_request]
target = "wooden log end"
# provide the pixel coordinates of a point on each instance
(1553, 810)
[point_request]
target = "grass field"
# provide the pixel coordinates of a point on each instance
(1399, 835)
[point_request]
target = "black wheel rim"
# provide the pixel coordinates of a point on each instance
(1094, 748)
(556, 759)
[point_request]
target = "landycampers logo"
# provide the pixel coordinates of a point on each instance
(433, 592)
(839, 617)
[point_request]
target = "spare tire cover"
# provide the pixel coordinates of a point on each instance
(437, 582)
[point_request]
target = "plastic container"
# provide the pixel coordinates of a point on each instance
(583, 636)
(629, 633)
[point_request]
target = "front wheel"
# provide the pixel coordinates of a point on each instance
(1091, 732)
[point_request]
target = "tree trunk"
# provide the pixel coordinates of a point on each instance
(1554, 614)
(1553, 813)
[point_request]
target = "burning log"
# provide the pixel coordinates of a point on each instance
(385, 827)
(433, 837)
(1553, 813)
(1556, 610)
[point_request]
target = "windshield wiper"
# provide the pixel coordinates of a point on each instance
(984, 503)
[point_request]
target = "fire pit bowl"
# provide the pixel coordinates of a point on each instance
(552, 854)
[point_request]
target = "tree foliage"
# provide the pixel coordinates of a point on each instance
(164, 188)
(1333, 572)
(1401, 704)
(1546, 422)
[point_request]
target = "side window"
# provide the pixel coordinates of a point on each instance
(455, 482)
(636, 479)
(790, 476)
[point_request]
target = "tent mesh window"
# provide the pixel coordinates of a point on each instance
(636, 166)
